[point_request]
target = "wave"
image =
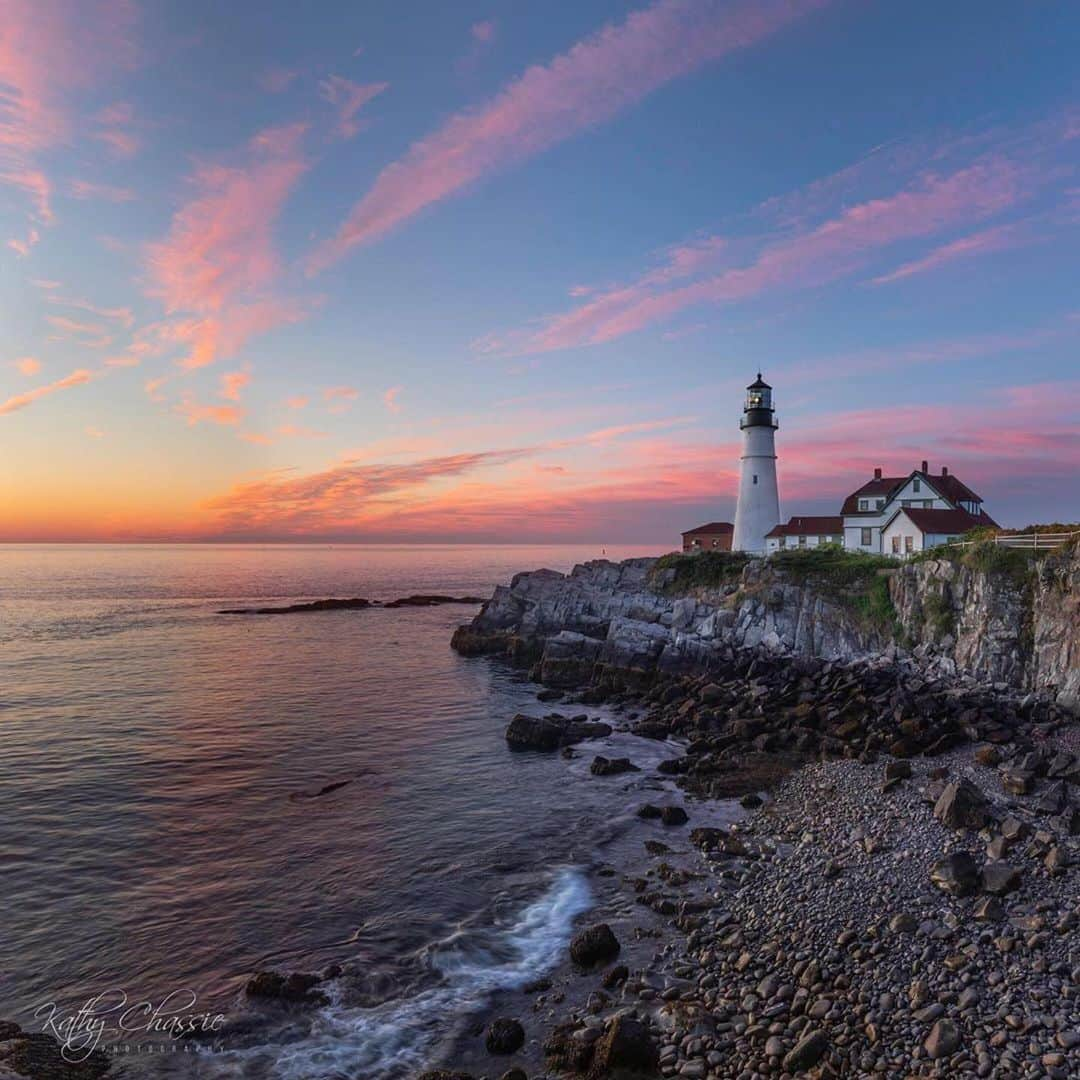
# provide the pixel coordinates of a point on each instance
(391, 1039)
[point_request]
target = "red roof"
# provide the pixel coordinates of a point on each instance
(947, 486)
(945, 522)
(714, 527)
(810, 526)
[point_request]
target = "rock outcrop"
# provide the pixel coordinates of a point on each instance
(624, 624)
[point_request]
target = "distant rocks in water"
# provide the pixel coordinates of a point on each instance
(552, 732)
(296, 987)
(602, 766)
(39, 1056)
(505, 1036)
(594, 945)
(354, 604)
(326, 789)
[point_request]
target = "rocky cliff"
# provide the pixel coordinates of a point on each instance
(993, 618)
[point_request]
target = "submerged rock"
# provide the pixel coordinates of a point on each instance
(602, 766)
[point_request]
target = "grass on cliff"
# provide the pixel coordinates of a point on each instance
(706, 569)
(1014, 564)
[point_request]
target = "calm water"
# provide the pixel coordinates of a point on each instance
(154, 829)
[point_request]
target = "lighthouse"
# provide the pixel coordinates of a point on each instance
(758, 509)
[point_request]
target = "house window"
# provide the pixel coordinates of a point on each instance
(909, 544)
(783, 541)
(896, 545)
(928, 504)
(864, 504)
(867, 537)
(916, 484)
(880, 503)
(906, 502)
(802, 541)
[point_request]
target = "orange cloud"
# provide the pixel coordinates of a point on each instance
(299, 401)
(195, 413)
(233, 382)
(390, 399)
(216, 270)
(27, 365)
(592, 82)
(90, 335)
(340, 398)
(20, 401)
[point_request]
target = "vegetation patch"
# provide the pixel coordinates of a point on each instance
(831, 567)
(994, 560)
(677, 574)
(939, 615)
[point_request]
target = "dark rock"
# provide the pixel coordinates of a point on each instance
(1057, 860)
(807, 1052)
(751, 800)
(988, 755)
(504, 1036)
(316, 605)
(537, 986)
(1017, 781)
(961, 806)
(1000, 879)
(956, 874)
(649, 812)
(943, 1040)
(674, 815)
(615, 977)
(445, 1074)
(1053, 798)
(297, 986)
(533, 733)
(40, 1057)
(594, 945)
(602, 766)
(656, 847)
(898, 770)
(627, 1045)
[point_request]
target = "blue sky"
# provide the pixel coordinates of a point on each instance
(500, 271)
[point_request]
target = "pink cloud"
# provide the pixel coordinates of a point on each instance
(981, 243)
(122, 315)
(233, 382)
(592, 82)
(91, 335)
(50, 55)
(24, 247)
(84, 189)
(809, 258)
(340, 398)
(217, 269)
(298, 401)
(21, 401)
(390, 399)
(348, 98)
(277, 80)
(484, 31)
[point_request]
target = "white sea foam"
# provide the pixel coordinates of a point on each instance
(399, 1036)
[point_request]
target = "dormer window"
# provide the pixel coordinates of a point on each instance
(916, 484)
(864, 504)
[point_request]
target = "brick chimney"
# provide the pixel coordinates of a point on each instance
(925, 466)
(944, 470)
(877, 474)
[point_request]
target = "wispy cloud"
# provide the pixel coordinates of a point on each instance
(85, 189)
(390, 399)
(233, 382)
(196, 413)
(804, 250)
(27, 365)
(980, 243)
(297, 401)
(21, 401)
(90, 335)
(217, 269)
(123, 315)
(339, 398)
(590, 83)
(277, 80)
(348, 98)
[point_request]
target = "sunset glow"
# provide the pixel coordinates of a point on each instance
(456, 272)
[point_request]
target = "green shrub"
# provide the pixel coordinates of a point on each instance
(706, 569)
(830, 565)
(875, 607)
(939, 614)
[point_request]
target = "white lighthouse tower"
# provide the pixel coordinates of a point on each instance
(758, 510)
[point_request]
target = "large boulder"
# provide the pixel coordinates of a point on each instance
(594, 945)
(504, 1036)
(533, 733)
(602, 766)
(961, 806)
(297, 986)
(627, 1046)
(807, 1052)
(957, 874)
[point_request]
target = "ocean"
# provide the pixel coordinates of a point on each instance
(161, 832)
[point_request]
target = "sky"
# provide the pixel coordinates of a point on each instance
(497, 272)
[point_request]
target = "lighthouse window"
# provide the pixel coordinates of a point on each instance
(755, 478)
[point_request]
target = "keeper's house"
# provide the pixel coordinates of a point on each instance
(804, 532)
(716, 536)
(899, 515)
